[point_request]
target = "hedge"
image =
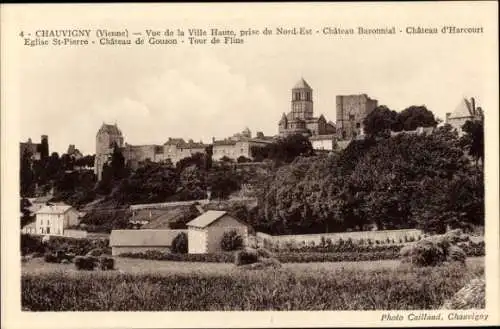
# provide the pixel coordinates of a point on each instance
(78, 246)
(305, 257)
(474, 250)
(226, 257)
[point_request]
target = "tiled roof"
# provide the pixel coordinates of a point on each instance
(143, 237)
(207, 218)
(54, 209)
(302, 84)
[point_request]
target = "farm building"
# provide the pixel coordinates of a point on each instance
(135, 241)
(205, 231)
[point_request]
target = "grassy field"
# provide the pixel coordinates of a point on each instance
(141, 285)
(132, 265)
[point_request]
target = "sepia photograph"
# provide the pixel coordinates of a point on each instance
(223, 158)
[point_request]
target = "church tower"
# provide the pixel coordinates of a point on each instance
(302, 101)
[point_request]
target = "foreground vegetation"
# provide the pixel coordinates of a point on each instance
(340, 288)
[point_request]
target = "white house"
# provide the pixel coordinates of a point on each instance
(323, 142)
(205, 231)
(55, 219)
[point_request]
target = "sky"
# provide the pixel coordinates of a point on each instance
(200, 92)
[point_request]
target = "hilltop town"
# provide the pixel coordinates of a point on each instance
(106, 186)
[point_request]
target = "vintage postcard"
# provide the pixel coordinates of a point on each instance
(250, 165)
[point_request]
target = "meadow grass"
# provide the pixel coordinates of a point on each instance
(289, 288)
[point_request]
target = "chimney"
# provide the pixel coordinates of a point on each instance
(473, 104)
(213, 139)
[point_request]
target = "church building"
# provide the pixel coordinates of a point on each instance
(301, 120)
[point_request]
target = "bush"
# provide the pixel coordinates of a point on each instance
(244, 257)
(423, 253)
(85, 263)
(433, 251)
(180, 243)
(106, 263)
(76, 245)
(51, 258)
(231, 241)
(453, 236)
(456, 254)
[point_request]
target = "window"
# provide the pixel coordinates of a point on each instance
(351, 116)
(308, 96)
(297, 96)
(358, 125)
(48, 230)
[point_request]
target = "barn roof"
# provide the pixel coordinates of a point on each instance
(129, 238)
(206, 218)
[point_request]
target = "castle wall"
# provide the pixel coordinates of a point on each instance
(351, 111)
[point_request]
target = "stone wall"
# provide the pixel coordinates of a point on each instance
(395, 235)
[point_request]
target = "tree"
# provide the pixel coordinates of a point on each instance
(473, 139)
(27, 176)
(117, 163)
(380, 121)
(53, 166)
(223, 180)
(231, 241)
(180, 243)
(198, 159)
(192, 183)
(416, 116)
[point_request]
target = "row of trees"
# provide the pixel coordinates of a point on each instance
(383, 120)
(407, 181)
(49, 171)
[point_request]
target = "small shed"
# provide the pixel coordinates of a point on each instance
(205, 231)
(135, 241)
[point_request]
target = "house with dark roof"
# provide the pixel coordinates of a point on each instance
(205, 232)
